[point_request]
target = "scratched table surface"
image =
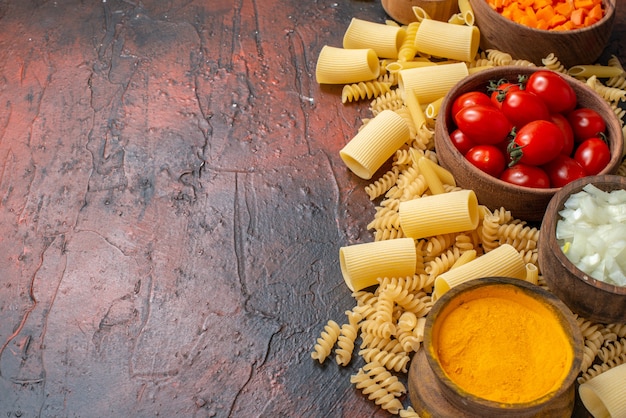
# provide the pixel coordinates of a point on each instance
(172, 203)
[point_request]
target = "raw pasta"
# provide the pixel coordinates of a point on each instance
(502, 261)
(600, 71)
(364, 90)
(385, 40)
(439, 214)
(375, 143)
(603, 395)
(346, 66)
(432, 82)
(467, 12)
(362, 264)
(390, 315)
(326, 341)
(447, 40)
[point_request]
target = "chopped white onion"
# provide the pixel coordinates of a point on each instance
(592, 233)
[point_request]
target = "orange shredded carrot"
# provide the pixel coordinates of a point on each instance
(545, 13)
(584, 4)
(550, 14)
(556, 20)
(564, 8)
(577, 17)
(596, 12)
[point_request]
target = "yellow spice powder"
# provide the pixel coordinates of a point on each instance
(503, 345)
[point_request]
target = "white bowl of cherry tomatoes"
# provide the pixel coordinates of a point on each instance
(516, 135)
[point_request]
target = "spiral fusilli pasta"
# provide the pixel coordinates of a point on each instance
(326, 341)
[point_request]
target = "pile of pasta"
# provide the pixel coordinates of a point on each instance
(385, 327)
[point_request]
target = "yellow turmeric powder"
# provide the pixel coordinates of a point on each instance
(501, 344)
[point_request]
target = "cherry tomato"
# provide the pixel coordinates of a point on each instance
(536, 143)
(461, 141)
(488, 158)
(553, 89)
(568, 135)
(526, 175)
(499, 92)
(521, 107)
(586, 123)
(470, 98)
(483, 124)
(562, 170)
(593, 155)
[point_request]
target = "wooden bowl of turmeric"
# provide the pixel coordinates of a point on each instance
(498, 347)
(583, 43)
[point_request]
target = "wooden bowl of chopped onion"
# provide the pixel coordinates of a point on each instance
(582, 247)
(582, 45)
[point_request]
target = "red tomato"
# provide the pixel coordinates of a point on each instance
(483, 124)
(470, 98)
(562, 170)
(568, 135)
(586, 123)
(536, 143)
(526, 175)
(488, 158)
(461, 141)
(553, 89)
(499, 92)
(521, 107)
(593, 155)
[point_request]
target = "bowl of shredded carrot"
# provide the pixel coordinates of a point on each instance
(573, 31)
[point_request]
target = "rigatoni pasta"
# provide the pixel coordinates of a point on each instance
(439, 214)
(375, 143)
(346, 66)
(447, 40)
(604, 395)
(385, 40)
(432, 82)
(362, 264)
(503, 261)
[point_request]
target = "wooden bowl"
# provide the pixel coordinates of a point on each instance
(452, 399)
(524, 203)
(402, 10)
(590, 298)
(580, 46)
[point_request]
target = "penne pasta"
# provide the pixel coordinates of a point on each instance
(432, 109)
(346, 66)
(532, 273)
(420, 13)
(415, 110)
(403, 65)
(466, 12)
(600, 71)
(456, 19)
(432, 180)
(465, 258)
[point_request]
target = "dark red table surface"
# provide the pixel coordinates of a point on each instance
(172, 203)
